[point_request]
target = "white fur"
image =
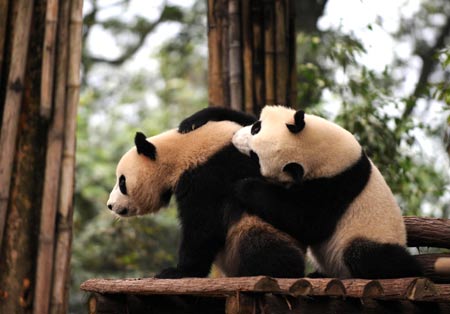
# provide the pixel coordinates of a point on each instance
(325, 149)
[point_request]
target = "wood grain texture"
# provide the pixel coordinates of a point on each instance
(431, 232)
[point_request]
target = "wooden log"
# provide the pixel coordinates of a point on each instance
(191, 286)
(269, 51)
(48, 58)
(281, 52)
(258, 56)
(13, 102)
(433, 269)
(246, 22)
(424, 231)
(215, 91)
(235, 55)
(414, 289)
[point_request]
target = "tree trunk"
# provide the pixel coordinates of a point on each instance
(251, 53)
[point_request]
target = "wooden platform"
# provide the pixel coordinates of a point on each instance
(264, 295)
(267, 295)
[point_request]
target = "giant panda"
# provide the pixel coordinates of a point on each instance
(200, 168)
(321, 188)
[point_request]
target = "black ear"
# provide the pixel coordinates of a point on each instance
(299, 120)
(295, 170)
(144, 147)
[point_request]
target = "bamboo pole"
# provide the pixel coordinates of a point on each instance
(246, 22)
(62, 248)
(222, 13)
(258, 56)
(281, 56)
(48, 58)
(64, 228)
(49, 205)
(13, 102)
(4, 10)
(215, 91)
(269, 52)
(292, 43)
(234, 32)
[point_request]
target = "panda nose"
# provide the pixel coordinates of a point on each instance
(110, 206)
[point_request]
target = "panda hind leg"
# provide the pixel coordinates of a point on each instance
(371, 260)
(267, 253)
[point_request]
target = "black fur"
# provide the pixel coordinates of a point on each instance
(295, 170)
(368, 259)
(207, 207)
(214, 114)
(144, 147)
(308, 211)
(299, 122)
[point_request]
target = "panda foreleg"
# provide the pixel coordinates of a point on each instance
(214, 114)
(199, 246)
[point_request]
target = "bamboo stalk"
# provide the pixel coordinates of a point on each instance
(48, 58)
(68, 170)
(281, 53)
(4, 5)
(62, 249)
(258, 56)
(234, 32)
(269, 51)
(215, 91)
(292, 44)
(13, 102)
(246, 22)
(224, 39)
(49, 206)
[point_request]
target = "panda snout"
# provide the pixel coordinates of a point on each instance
(109, 206)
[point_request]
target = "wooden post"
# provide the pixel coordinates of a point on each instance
(256, 64)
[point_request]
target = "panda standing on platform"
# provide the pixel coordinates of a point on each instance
(201, 169)
(322, 189)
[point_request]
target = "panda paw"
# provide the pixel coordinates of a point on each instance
(170, 273)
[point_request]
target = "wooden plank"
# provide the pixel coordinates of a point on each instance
(433, 269)
(269, 51)
(246, 18)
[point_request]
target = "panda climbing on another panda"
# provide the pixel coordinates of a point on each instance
(322, 189)
(201, 169)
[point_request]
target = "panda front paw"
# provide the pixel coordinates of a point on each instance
(170, 273)
(190, 124)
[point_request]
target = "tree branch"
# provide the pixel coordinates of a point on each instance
(428, 64)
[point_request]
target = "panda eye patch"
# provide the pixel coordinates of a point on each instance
(256, 127)
(123, 185)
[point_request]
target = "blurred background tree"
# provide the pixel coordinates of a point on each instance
(147, 70)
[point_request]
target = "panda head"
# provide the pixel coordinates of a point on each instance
(293, 146)
(144, 183)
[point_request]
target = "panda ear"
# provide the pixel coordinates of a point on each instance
(144, 147)
(299, 120)
(295, 170)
